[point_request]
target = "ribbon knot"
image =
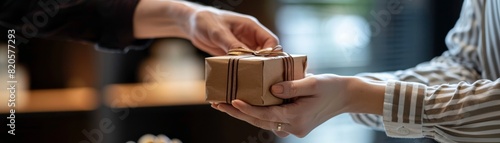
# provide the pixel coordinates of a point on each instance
(266, 52)
(233, 64)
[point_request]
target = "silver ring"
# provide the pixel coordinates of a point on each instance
(279, 127)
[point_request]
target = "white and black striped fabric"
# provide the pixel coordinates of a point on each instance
(454, 97)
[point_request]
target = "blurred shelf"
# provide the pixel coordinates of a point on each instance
(156, 94)
(56, 100)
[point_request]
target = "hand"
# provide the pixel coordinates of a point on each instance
(317, 99)
(212, 30)
(216, 31)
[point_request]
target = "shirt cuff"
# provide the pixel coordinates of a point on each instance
(403, 109)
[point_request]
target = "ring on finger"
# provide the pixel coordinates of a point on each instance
(279, 127)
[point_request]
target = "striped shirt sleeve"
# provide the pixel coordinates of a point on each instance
(460, 112)
(438, 71)
(419, 102)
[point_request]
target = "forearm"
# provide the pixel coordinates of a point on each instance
(162, 18)
(365, 96)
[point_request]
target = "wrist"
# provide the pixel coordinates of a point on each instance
(155, 19)
(365, 96)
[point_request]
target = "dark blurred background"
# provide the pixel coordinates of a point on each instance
(68, 92)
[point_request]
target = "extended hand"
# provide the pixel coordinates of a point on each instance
(212, 30)
(216, 31)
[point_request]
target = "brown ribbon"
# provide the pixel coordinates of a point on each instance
(232, 67)
(266, 52)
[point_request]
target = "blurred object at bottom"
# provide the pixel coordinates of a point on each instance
(149, 138)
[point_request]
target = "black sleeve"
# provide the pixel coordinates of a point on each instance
(107, 23)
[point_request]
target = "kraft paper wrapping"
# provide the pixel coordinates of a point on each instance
(255, 75)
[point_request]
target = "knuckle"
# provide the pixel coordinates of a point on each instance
(314, 84)
(200, 16)
(216, 33)
(203, 13)
(293, 89)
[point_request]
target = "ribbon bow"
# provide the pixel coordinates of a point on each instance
(276, 51)
(233, 63)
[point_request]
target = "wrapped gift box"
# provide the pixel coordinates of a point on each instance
(249, 78)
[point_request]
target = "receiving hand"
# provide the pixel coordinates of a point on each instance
(317, 99)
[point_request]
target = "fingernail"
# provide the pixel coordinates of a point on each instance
(215, 104)
(277, 89)
(235, 104)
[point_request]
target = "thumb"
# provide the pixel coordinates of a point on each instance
(296, 88)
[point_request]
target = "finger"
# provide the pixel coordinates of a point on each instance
(212, 50)
(225, 39)
(296, 88)
(255, 33)
(247, 118)
(281, 134)
(214, 105)
(270, 113)
(265, 37)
